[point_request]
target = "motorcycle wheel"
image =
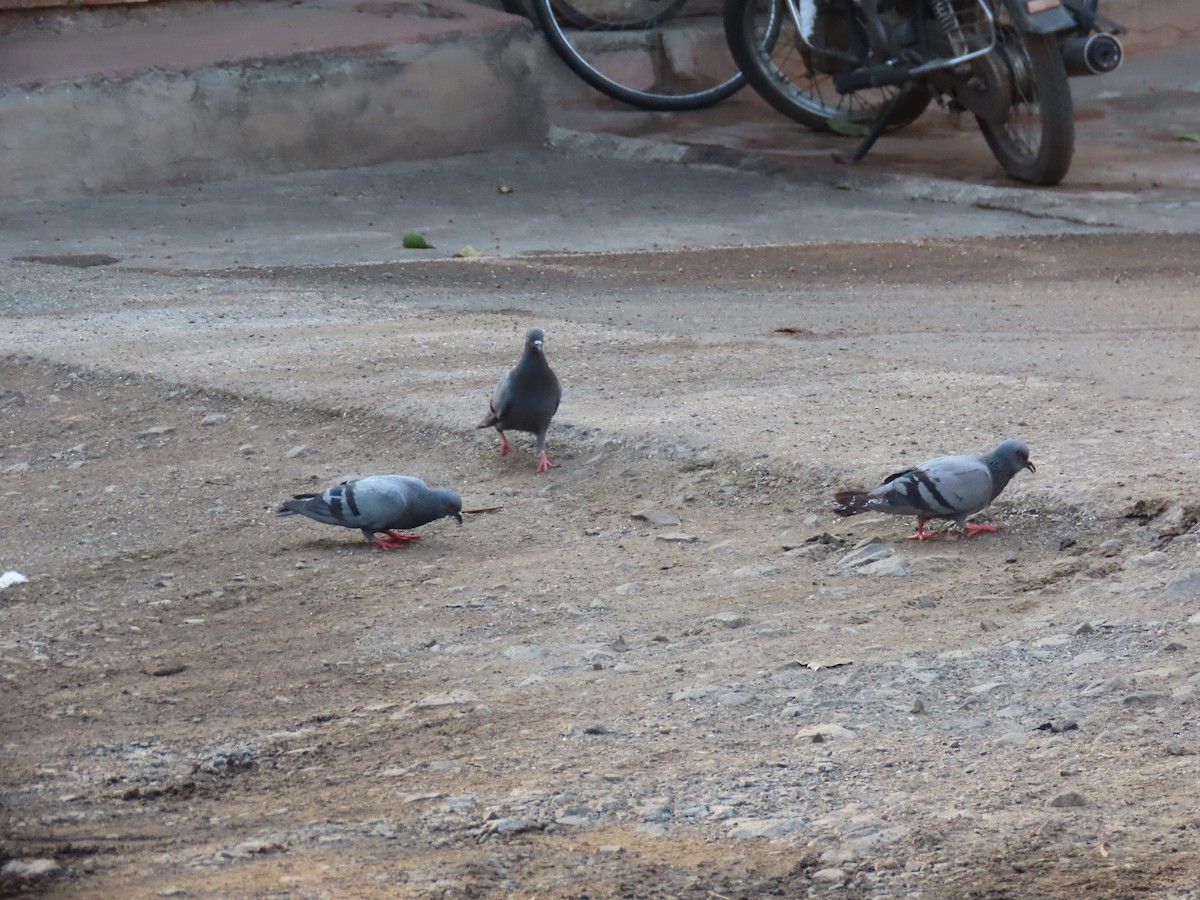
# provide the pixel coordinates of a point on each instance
(1036, 140)
(767, 48)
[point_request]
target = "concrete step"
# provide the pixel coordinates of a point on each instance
(101, 100)
(96, 101)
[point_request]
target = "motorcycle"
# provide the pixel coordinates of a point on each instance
(863, 67)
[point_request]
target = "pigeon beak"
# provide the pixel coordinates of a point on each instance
(1030, 466)
(458, 516)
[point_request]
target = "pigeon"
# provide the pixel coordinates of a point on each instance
(378, 504)
(526, 399)
(949, 487)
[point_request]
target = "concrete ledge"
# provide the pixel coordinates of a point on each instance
(438, 86)
(94, 101)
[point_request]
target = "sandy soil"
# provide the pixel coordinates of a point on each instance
(562, 699)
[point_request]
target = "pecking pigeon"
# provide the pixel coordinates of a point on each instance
(526, 399)
(949, 487)
(378, 503)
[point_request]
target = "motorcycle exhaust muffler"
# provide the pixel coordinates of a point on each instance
(1096, 54)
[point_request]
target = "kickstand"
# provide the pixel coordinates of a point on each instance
(877, 127)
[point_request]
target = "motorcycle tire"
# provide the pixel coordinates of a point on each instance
(1036, 141)
(780, 67)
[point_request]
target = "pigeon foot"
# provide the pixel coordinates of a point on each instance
(922, 534)
(544, 465)
(973, 530)
(505, 446)
(397, 536)
(394, 541)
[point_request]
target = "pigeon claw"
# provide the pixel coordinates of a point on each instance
(505, 446)
(973, 530)
(544, 465)
(394, 540)
(922, 534)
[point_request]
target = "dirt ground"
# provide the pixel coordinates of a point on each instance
(562, 698)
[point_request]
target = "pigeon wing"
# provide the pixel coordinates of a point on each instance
(382, 502)
(499, 403)
(949, 487)
(334, 506)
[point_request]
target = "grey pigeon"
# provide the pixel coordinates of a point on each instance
(526, 399)
(949, 487)
(378, 504)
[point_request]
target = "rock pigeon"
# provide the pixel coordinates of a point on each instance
(526, 399)
(378, 504)
(949, 487)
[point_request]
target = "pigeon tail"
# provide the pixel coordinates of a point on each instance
(850, 503)
(315, 507)
(295, 506)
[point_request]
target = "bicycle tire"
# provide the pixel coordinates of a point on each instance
(764, 42)
(608, 15)
(600, 55)
(1036, 140)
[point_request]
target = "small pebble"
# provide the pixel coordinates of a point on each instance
(1069, 800)
(29, 869)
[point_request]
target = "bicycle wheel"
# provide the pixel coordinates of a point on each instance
(647, 53)
(1036, 140)
(615, 15)
(797, 80)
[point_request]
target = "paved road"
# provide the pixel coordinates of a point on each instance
(735, 175)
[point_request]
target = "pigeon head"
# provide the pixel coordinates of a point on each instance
(533, 339)
(1012, 456)
(448, 502)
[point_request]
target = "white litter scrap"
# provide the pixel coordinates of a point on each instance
(11, 577)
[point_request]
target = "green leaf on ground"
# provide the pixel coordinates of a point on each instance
(842, 125)
(414, 240)
(1192, 136)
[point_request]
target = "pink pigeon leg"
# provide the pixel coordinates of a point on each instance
(922, 534)
(505, 447)
(391, 543)
(397, 536)
(973, 530)
(544, 465)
